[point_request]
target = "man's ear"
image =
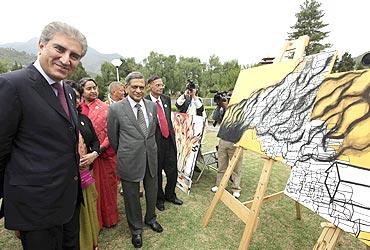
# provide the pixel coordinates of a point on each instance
(41, 46)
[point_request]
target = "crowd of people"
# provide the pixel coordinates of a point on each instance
(64, 152)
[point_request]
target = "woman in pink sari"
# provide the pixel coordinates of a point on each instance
(104, 167)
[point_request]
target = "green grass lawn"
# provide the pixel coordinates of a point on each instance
(278, 227)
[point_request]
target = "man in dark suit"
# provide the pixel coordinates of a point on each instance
(165, 138)
(131, 126)
(38, 143)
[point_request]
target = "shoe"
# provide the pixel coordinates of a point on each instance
(141, 194)
(121, 191)
(137, 241)
(160, 206)
(155, 226)
(176, 201)
(214, 189)
(236, 194)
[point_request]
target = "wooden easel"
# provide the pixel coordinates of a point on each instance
(329, 237)
(249, 211)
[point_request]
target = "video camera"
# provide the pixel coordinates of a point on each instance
(190, 85)
(221, 97)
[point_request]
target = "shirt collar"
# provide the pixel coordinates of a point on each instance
(42, 72)
(155, 99)
(133, 103)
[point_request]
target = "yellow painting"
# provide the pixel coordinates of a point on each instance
(318, 124)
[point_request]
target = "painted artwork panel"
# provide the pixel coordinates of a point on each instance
(188, 134)
(331, 175)
(318, 124)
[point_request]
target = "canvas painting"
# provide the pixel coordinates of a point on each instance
(316, 123)
(188, 133)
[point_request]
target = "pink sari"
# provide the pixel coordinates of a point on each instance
(104, 167)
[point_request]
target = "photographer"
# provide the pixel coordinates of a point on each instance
(189, 102)
(226, 149)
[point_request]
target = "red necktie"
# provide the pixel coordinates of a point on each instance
(162, 120)
(61, 97)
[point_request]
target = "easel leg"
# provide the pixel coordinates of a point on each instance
(223, 185)
(298, 210)
(328, 238)
(257, 204)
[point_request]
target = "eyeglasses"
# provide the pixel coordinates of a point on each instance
(160, 85)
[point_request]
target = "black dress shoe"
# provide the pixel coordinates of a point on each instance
(155, 226)
(160, 206)
(175, 201)
(137, 241)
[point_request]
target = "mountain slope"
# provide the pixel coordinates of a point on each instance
(91, 61)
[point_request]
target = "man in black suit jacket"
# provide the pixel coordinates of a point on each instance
(165, 138)
(38, 143)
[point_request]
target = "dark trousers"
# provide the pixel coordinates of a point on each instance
(167, 161)
(131, 198)
(61, 237)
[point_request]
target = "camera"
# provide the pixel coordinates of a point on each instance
(190, 85)
(221, 97)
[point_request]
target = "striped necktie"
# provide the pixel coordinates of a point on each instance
(141, 119)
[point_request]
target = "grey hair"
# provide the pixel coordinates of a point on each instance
(58, 27)
(113, 85)
(133, 75)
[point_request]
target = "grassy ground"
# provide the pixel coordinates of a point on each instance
(278, 228)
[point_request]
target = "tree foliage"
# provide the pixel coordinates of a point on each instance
(212, 75)
(3, 67)
(347, 63)
(79, 73)
(309, 22)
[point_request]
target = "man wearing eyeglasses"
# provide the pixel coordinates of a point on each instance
(131, 125)
(165, 138)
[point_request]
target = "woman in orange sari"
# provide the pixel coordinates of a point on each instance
(104, 167)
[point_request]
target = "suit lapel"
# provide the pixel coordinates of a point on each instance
(43, 88)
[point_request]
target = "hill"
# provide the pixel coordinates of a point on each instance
(10, 56)
(91, 61)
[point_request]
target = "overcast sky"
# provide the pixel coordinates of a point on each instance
(241, 29)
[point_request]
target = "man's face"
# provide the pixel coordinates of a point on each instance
(157, 87)
(60, 56)
(90, 91)
(135, 89)
(118, 92)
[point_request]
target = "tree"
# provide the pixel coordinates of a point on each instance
(309, 22)
(3, 67)
(108, 75)
(347, 63)
(16, 66)
(79, 73)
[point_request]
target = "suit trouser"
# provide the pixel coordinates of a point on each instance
(66, 236)
(225, 152)
(131, 198)
(168, 162)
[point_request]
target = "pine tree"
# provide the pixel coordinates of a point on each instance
(347, 63)
(309, 22)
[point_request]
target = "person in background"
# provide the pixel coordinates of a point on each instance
(165, 138)
(131, 130)
(116, 92)
(189, 102)
(226, 149)
(38, 143)
(88, 148)
(104, 167)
